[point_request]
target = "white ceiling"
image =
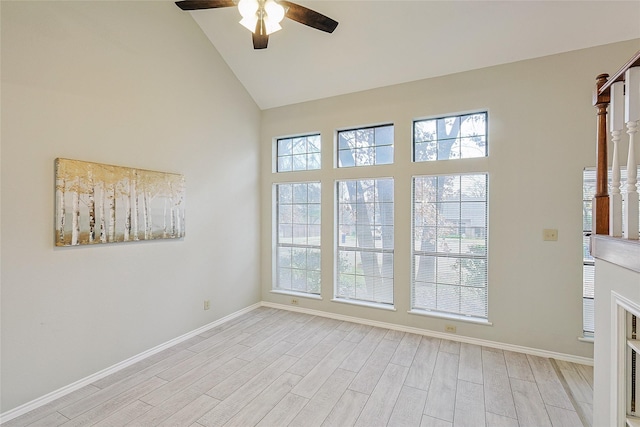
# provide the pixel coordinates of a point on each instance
(380, 43)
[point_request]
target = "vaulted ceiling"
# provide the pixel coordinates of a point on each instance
(380, 43)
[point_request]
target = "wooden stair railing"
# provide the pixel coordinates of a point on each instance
(600, 216)
(610, 241)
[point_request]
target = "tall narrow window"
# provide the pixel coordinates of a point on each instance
(298, 153)
(365, 146)
(365, 240)
(588, 268)
(298, 237)
(450, 244)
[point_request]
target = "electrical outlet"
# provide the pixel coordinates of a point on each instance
(550, 234)
(450, 328)
(294, 301)
(207, 304)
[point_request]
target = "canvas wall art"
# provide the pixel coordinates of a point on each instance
(98, 203)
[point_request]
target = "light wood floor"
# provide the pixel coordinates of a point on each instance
(278, 368)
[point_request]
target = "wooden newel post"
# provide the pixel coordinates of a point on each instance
(600, 214)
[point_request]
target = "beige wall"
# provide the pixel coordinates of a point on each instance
(131, 84)
(541, 136)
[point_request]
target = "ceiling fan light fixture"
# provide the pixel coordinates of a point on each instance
(273, 14)
(249, 22)
(275, 11)
(248, 8)
(269, 12)
(249, 11)
(271, 27)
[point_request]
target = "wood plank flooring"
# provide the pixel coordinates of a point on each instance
(274, 368)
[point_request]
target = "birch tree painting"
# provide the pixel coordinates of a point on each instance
(98, 203)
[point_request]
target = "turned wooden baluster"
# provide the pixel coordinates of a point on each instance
(600, 208)
(616, 125)
(632, 116)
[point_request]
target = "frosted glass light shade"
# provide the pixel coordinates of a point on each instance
(248, 8)
(275, 12)
(249, 22)
(270, 26)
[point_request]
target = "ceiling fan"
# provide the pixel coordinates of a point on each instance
(262, 17)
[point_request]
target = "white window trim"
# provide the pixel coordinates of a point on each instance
(276, 245)
(441, 116)
(441, 314)
(336, 232)
(275, 157)
(336, 154)
(296, 294)
(449, 316)
(368, 304)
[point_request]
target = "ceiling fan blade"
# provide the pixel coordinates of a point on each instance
(203, 4)
(309, 17)
(260, 37)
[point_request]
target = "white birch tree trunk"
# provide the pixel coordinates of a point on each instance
(75, 218)
(103, 225)
(134, 204)
(178, 224)
(111, 237)
(149, 200)
(148, 226)
(61, 210)
(164, 219)
(92, 207)
(127, 214)
(172, 213)
(143, 207)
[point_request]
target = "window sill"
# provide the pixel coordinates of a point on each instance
(365, 304)
(586, 339)
(296, 294)
(466, 319)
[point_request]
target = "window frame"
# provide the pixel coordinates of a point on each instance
(277, 244)
(588, 262)
(339, 248)
(437, 254)
(484, 112)
(306, 153)
(338, 150)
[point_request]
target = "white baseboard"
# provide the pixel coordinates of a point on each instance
(43, 400)
(435, 334)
